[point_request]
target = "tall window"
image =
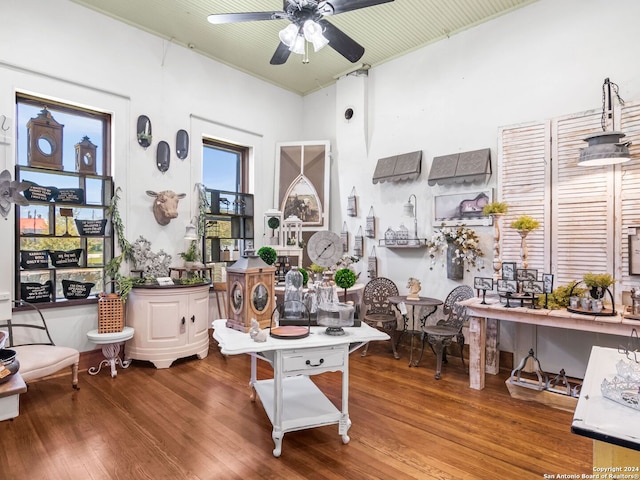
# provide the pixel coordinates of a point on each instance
(62, 240)
(229, 222)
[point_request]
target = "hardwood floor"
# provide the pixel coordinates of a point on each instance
(195, 421)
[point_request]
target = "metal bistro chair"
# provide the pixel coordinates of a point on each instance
(441, 334)
(38, 356)
(378, 311)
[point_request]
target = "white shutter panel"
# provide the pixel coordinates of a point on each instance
(629, 182)
(582, 203)
(524, 175)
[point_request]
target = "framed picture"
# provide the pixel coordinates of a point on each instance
(302, 182)
(508, 271)
(634, 254)
(524, 274)
(483, 283)
(547, 282)
(532, 286)
(507, 286)
(466, 208)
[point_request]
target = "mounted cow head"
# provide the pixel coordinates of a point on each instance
(165, 205)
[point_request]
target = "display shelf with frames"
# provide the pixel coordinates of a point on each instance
(228, 223)
(42, 227)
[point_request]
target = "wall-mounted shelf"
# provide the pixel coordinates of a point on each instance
(416, 243)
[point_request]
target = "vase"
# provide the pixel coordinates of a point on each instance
(455, 266)
(524, 250)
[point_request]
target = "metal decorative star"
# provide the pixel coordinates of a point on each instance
(10, 193)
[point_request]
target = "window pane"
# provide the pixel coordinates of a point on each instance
(221, 169)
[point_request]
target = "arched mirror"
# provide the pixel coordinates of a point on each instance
(260, 298)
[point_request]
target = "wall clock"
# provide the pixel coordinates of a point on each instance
(325, 248)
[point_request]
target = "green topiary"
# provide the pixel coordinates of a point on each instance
(305, 276)
(268, 255)
(345, 278)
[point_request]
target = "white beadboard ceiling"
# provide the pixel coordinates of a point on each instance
(385, 31)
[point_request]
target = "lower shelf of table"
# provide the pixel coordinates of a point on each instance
(303, 404)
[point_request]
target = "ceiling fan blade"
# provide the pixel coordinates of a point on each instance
(341, 42)
(281, 55)
(217, 18)
(341, 6)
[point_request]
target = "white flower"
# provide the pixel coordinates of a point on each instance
(463, 239)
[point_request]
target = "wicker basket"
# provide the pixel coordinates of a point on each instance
(110, 313)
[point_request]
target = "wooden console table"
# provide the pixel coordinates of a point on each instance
(291, 399)
(484, 325)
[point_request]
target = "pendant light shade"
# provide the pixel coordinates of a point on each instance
(604, 149)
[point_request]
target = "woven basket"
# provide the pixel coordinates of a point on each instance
(110, 313)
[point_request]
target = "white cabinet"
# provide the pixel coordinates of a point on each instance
(169, 322)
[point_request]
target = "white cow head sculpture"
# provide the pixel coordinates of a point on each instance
(165, 205)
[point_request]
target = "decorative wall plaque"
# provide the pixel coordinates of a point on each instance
(182, 144)
(163, 156)
(44, 141)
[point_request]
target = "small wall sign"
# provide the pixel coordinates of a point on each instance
(90, 228)
(73, 289)
(38, 193)
(70, 195)
(62, 259)
(34, 259)
(36, 292)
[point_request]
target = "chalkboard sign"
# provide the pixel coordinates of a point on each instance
(33, 259)
(91, 227)
(36, 292)
(70, 195)
(63, 259)
(37, 193)
(73, 289)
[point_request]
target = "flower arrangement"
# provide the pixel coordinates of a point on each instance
(525, 222)
(464, 240)
(603, 280)
(495, 208)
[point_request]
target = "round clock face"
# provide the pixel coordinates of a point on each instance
(325, 248)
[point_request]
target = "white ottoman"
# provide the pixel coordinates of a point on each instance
(110, 348)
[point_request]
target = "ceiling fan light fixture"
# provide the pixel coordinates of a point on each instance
(298, 45)
(289, 34)
(313, 33)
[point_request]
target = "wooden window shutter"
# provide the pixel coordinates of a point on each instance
(524, 179)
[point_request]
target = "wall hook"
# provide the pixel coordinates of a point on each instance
(4, 122)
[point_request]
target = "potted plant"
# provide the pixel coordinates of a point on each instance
(460, 244)
(598, 283)
(525, 223)
(345, 278)
(273, 223)
(268, 254)
(190, 255)
(495, 208)
(317, 271)
(305, 276)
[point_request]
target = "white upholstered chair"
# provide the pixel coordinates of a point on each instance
(38, 355)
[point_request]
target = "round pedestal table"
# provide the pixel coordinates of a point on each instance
(111, 343)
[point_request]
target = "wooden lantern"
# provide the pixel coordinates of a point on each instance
(86, 156)
(251, 292)
(44, 140)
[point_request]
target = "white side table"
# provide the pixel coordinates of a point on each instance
(110, 348)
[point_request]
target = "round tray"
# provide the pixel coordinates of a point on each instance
(289, 332)
(606, 312)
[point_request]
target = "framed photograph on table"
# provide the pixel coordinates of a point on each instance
(483, 283)
(524, 274)
(634, 254)
(507, 286)
(547, 282)
(533, 286)
(508, 270)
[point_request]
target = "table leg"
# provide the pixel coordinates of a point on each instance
(477, 341)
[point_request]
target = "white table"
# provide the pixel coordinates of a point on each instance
(291, 399)
(111, 343)
(612, 426)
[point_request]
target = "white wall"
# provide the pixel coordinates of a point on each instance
(545, 60)
(55, 48)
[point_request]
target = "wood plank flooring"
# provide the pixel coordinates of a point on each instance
(195, 420)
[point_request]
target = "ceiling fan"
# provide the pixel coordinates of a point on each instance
(307, 25)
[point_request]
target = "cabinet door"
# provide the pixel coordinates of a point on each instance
(198, 317)
(167, 322)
